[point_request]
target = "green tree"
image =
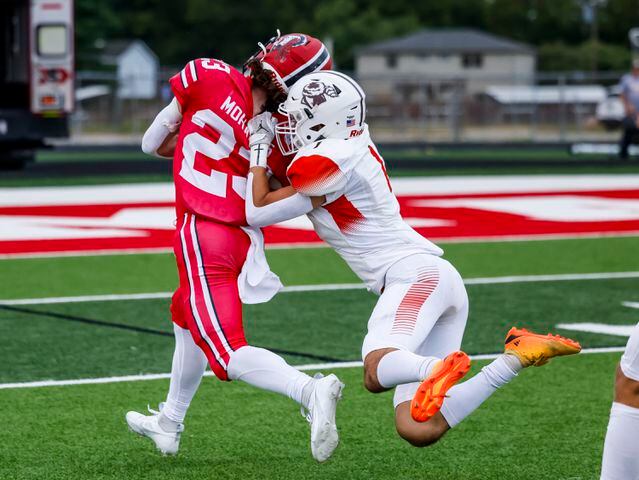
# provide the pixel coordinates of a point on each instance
(616, 19)
(352, 23)
(95, 22)
(558, 56)
(230, 29)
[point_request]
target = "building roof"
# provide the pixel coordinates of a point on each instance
(114, 48)
(448, 41)
(521, 94)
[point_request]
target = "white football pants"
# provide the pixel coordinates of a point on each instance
(423, 309)
(621, 448)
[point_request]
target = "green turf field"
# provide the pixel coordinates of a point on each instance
(547, 424)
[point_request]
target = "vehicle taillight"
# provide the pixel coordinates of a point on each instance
(51, 101)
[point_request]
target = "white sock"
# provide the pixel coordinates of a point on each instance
(167, 424)
(465, 398)
(621, 449)
(401, 366)
(189, 364)
(266, 370)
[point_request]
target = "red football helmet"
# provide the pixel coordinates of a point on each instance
(289, 57)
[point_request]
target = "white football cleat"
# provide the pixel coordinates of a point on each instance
(167, 443)
(321, 416)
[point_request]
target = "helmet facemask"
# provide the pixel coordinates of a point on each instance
(321, 106)
(295, 132)
(261, 52)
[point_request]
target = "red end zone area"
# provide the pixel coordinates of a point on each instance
(140, 217)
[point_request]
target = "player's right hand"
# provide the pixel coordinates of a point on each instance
(261, 129)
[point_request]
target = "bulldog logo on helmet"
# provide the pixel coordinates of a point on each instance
(315, 93)
(283, 45)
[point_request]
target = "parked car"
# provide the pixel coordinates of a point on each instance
(610, 111)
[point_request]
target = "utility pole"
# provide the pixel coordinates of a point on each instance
(633, 36)
(589, 13)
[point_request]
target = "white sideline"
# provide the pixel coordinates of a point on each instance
(283, 246)
(324, 288)
(162, 376)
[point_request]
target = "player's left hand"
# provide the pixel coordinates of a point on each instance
(261, 129)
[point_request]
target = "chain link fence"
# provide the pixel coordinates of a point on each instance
(551, 108)
(105, 104)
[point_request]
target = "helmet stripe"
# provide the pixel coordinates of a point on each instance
(309, 67)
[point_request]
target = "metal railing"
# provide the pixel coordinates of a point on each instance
(545, 108)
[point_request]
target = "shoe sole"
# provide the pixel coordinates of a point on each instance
(327, 435)
(430, 395)
(521, 333)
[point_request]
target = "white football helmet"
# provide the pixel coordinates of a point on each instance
(325, 104)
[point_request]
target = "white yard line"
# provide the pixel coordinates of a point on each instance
(85, 298)
(600, 328)
(162, 376)
(150, 296)
(287, 246)
(630, 304)
(85, 253)
(562, 277)
(149, 251)
(325, 288)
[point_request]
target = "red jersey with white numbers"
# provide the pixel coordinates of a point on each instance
(211, 159)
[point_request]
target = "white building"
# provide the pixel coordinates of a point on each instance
(137, 68)
(444, 59)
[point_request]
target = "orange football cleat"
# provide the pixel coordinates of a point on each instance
(431, 393)
(534, 349)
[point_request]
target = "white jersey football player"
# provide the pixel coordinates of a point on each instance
(621, 449)
(338, 178)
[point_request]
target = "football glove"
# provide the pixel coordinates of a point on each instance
(261, 133)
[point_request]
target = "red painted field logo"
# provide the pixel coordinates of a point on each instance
(140, 217)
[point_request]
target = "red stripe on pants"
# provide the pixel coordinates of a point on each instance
(413, 301)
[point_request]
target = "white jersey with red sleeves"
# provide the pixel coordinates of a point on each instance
(361, 218)
(211, 159)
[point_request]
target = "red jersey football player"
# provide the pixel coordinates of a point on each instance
(220, 259)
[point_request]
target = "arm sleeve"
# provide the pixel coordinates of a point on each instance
(316, 175)
(624, 85)
(282, 210)
(166, 122)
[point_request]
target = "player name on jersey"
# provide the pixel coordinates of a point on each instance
(235, 113)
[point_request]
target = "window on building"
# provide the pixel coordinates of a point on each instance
(472, 60)
(391, 61)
